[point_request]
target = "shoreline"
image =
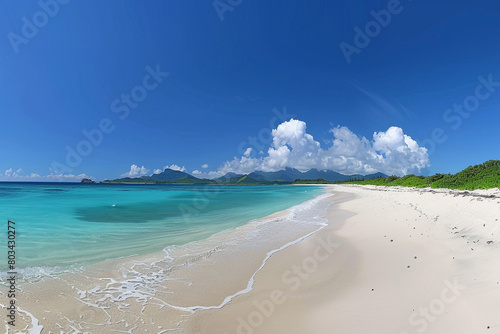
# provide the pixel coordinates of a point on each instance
(173, 280)
(389, 260)
(405, 262)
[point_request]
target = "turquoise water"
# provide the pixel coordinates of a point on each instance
(60, 224)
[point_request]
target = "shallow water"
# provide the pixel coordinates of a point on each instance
(59, 225)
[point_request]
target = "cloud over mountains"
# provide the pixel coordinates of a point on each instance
(389, 152)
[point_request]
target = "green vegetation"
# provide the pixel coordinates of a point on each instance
(483, 176)
(317, 181)
(130, 180)
(189, 180)
(184, 180)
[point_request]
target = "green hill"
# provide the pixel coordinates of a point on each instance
(189, 180)
(483, 176)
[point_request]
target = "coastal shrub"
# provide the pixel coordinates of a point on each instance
(410, 181)
(483, 176)
(392, 178)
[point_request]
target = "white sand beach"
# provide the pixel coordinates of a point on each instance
(402, 261)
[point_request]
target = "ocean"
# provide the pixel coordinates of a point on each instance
(65, 225)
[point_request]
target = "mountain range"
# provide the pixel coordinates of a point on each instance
(287, 175)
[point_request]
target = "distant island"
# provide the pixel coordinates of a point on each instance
(482, 176)
(87, 181)
(286, 176)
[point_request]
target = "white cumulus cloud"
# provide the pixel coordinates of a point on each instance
(389, 152)
(13, 174)
(248, 152)
(175, 167)
(172, 167)
(243, 165)
(136, 171)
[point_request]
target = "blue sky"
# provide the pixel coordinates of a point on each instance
(70, 66)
